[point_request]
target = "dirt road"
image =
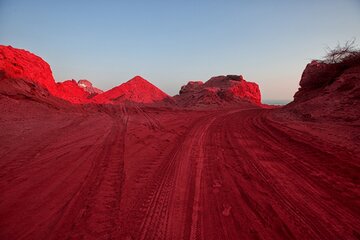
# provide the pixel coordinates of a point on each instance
(232, 174)
(61, 176)
(240, 175)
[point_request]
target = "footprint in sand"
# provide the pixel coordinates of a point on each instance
(216, 186)
(227, 209)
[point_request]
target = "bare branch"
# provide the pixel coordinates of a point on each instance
(341, 53)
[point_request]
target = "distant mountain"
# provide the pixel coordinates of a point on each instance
(136, 89)
(88, 87)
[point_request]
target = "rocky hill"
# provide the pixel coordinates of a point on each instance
(18, 64)
(220, 90)
(136, 90)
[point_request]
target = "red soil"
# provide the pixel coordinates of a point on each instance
(131, 171)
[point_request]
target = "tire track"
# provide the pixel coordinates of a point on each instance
(254, 175)
(93, 210)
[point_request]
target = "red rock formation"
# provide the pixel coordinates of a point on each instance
(88, 87)
(219, 90)
(72, 92)
(317, 74)
(329, 91)
(136, 89)
(22, 72)
(21, 64)
(191, 86)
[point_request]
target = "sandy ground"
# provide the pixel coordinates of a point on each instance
(155, 173)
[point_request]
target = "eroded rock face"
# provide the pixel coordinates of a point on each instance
(318, 74)
(329, 91)
(311, 76)
(224, 81)
(18, 66)
(191, 87)
(70, 91)
(219, 90)
(21, 64)
(235, 77)
(88, 87)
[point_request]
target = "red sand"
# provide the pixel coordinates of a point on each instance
(135, 171)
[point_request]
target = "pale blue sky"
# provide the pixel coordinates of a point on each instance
(172, 42)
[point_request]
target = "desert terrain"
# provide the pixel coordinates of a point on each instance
(210, 163)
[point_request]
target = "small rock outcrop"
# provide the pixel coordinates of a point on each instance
(70, 91)
(329, 91)
(220, 90)
(191, 86)
(88, 87)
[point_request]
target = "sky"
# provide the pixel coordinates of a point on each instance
(172, 42)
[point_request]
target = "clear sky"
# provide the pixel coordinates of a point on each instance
(171, 42)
